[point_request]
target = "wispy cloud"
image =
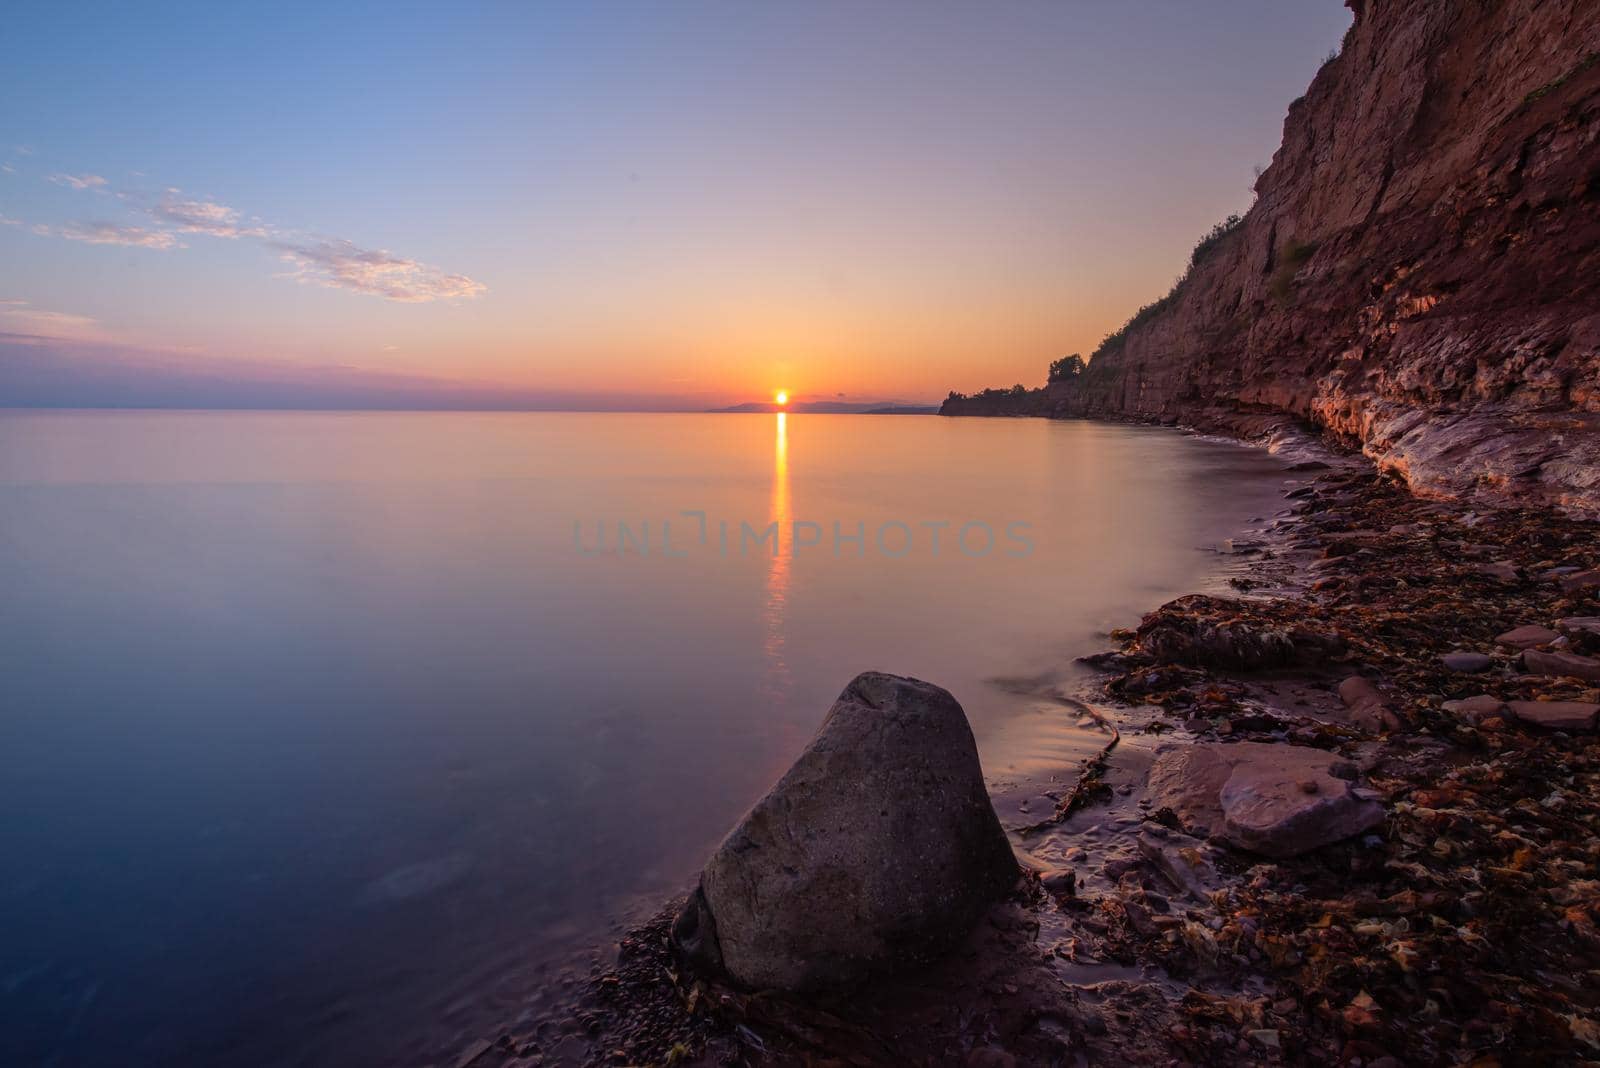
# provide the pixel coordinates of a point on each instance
(202, 217)
(79, 181)
(331, 262)
(20, 315)
(105, 233)
(6, 168)
(376, 272)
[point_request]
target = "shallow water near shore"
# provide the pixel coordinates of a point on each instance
(323, 732)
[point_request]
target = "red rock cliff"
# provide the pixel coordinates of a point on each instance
(1420, 273)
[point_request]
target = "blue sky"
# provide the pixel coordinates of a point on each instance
(698, 199)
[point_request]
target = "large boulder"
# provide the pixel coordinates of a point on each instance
(1276, 800)
(878, 849)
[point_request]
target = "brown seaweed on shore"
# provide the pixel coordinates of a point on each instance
(1467, 931)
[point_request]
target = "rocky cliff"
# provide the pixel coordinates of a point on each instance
(1419, 276)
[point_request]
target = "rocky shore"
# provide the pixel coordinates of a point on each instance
(1345, 816)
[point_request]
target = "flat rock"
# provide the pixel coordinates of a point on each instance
(1580, 580)
(1557, 715)
(1473, 709)
(1277, 800)
(1583, 624)
(1468, 662)
(1527, 637)
(1565, 665)
(877, 850)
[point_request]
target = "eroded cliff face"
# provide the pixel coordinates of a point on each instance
(1420, 273)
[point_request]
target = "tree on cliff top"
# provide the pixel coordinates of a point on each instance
(1066, 368)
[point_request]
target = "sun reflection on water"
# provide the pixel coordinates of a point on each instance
(777, 682)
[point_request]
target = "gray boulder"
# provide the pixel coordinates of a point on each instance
(878, 849)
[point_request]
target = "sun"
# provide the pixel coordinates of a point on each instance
(782, 396)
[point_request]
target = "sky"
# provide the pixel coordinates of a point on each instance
(607, 204)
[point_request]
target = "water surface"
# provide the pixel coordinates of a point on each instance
(320, 732)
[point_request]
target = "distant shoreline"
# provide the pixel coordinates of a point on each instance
(894, 409)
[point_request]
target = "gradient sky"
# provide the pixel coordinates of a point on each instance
(709, 200)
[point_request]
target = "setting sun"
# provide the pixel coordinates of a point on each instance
(782, 397)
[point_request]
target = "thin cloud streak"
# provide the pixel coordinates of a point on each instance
(105, 233)
(45, 324)
(375, 272)
(79, 181)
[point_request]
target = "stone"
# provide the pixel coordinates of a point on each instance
(1368, 708)
(1253, 796)
(1062, 882)
(1582, 580)
(1557, 715)
(877, 850)
(1467, 662)
(1564, 665)
(1474, 709)
(1499, 569)
(1581, 624)
(1527, 637)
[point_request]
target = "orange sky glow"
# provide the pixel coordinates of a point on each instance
(841, 201)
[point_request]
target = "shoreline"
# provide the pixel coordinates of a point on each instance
(1324, 957)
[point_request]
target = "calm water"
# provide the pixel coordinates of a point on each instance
(320, 732)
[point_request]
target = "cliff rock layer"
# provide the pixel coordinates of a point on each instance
(1420, 273)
